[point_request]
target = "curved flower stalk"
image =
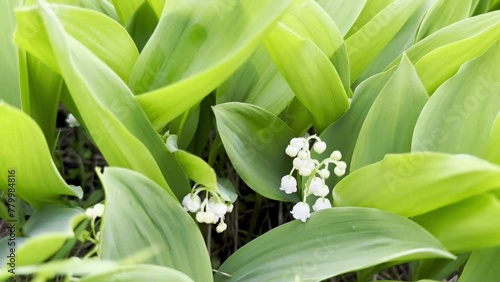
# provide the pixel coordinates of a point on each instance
(210, 210)
(315, 171)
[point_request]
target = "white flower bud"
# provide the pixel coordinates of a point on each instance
(288, 184)
(321, 204)
(301, 211)
(319, 147)
(291, 151)
(339, 171)
(230, 208)
(342, 165)
(191, 203)
(219, 209)
(305, 171)
(205, 217)
(336, 155)
(324, 173)
(221, 227)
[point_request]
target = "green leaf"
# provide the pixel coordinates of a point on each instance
(126, 8)
(146, 219)
(108, 109)
(45, 87)
(142, 24)
(342, 135)
(196, 46)
(438, 269)
(483, 265)
(388, 126)
(458, 117)
(46, 232)
(403, 40)
(364, 45)
(493, 154)
(331, 242)
(227, 190)
(257, 82)
(417, 183)
(440, 55)
(9, 69)
(310, 74)
(467, 225)
(343, 13)
(297, 117)
(102, 35)
(132, 273)
(23, 148)
(442, 14)
(194, 167)
(255, 141)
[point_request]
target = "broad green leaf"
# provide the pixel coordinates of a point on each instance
(9, 69)
(226, 190)
(438, 269)
(297, 117)
(417, 183)
(310, 74)
(442, 14)
(483, 265)
(157, 6)
(365, 45)
(185, 126)
(109, 111)
(73, 266)
(403, 40)
(257, 82)
(493, 154)
(440, 55)
(194, 167)
(370, 9)
(467, 225)
(46, 232)
(331, 242)
(342, 134)
(102, 36)
(102, 6)
(149, 218)
(255, 141)
(388, 126)
(45, 87)
(343, 13)
(133, 273)
(196, 46)
(142, 24)
(126, 8)
(309, 21)
(458, 117)
(23, 148)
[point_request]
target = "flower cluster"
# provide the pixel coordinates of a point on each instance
(210, 210)
(315, 171)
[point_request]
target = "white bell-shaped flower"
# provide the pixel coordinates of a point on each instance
(303, 155)
(322, 192)
(230, 208)
(319, 147)
(288, 184)
(221, 227)
(95, 211)
(316, 185)
(191, 202)
(297, 142)
(205, 217)
(72, 121)
(321, 204)
(342, 165)
(301, 211)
